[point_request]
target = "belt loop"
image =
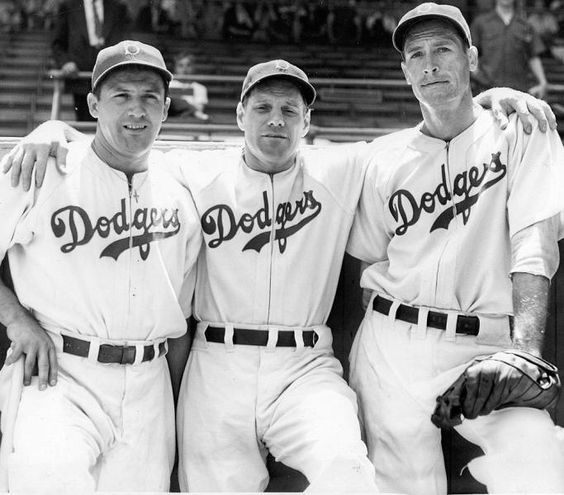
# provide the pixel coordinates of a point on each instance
(393, 309)
(421, 331)
(157, 349)
(228, 338)
(201, 328)
(450, 331)
(299, 338)
(93, 349)
(272, 340)
(139, 353)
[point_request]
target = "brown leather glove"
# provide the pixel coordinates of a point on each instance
(509, 378)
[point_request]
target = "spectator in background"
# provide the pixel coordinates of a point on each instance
(49, 13)
(509, 51)
(10, 17)
(237, 22)
(156, 16)
(82, 29)
(378, 25)
(272, 22)
(188, 98)
(343, 23)
(211, 20)
(310, 22)
(545, 24)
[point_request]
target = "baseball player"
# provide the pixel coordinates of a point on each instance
(82, 252)
(456, 220)
(261, 375)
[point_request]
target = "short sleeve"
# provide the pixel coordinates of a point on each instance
(535, 177)
(193, 247)
(15, 209)
(369, 238)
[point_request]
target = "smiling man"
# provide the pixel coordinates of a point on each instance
(456, 220)
(82, 250)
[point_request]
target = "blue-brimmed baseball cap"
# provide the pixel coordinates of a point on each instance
(128, 53)
(279, 69)
(430, 10)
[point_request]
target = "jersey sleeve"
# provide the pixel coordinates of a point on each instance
(193, 247)
(369, 238)
(178, 163)
(535, 177)
(15, 211)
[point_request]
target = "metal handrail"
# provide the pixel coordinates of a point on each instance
(58, 84)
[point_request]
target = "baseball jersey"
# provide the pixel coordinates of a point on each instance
(93, 254)
(273, 243)
(435, 218)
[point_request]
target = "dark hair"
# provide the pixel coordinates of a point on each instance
(130, 68)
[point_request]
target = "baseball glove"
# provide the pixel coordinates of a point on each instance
(509, 378)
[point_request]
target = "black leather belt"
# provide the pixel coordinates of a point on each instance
(467, 325)
(246, 336)
(116, 354)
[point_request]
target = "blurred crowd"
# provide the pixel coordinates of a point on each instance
(278, 21)
(275, 21)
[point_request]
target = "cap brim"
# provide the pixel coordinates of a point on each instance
(165, 73)
(307, 89)
(398, 37)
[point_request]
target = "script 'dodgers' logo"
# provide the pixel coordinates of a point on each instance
(146, 225)
(221, 224)
(468, 185)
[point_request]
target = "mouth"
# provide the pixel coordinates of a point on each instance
(135, 127)
(278, 137)
(433, 83)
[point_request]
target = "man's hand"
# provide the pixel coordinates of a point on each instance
(504, 101)
(70, 69)
(33, 151)
(32, 342)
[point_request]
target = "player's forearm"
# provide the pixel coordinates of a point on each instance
(535, 64)
(530, 308)
(11, 310)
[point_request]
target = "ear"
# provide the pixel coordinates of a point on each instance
(92, 104)
(405, 73)
(240, 116)
(472, 58)
(307, 122)
(165, 109)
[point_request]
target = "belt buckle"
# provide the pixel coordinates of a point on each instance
(128, 354)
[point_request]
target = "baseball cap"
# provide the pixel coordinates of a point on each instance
(282, 70)
(430, 10)
(128, 53)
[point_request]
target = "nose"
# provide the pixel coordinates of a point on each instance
(276, 119)
(136, 108)
(430, 66)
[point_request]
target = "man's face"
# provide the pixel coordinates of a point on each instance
(130, 109)
(437, 64)
(274, 119)
(184, 66)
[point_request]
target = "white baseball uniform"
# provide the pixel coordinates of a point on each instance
(268, 272)
(435, 221)
(108, 261)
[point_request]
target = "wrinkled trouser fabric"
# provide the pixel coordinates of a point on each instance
(398, 373)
